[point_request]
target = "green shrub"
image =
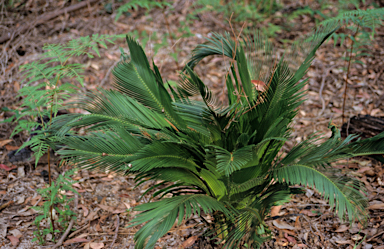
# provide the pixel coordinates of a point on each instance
(223, 161)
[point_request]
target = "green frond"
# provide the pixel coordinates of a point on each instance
(104, 150)
(341, 192)
(228, 162)
(191, 84)
(118, 107)
(247, 185)
(183, 176)
(137, 80)
(160, 216)
(156, 155)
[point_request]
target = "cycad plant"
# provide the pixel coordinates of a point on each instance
(226, 161)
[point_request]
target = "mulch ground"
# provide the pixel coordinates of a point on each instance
(102, 217)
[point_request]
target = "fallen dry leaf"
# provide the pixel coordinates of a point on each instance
(275, 210)
(378, 206)
(259, 85)
(281, 242)
(3, 227)
(299, 246)
(95, 245)
(10, 147)
(282, 225)
(344, 242)
(309, 213)
(189, 242)
(289, 238)
(27, 213)
(85, 210)
(342, 229)
(4, 142)
(75, 240)
(356, 237)
(15, 241)
(16, 233)
(6, 168)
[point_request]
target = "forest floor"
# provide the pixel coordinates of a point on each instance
(306, 222)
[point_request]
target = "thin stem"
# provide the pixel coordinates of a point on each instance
(346, 78)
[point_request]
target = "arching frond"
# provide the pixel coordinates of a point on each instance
(341, 192)
(162, 215)
(137, 80)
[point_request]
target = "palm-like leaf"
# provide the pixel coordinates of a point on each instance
(224, 161)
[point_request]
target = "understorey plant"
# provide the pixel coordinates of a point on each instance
(222, 161)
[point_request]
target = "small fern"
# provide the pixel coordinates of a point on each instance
(47, 85)
(361, 25)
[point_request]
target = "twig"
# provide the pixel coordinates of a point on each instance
(78, 231)
(321, 91)
(108, 73)
(61, 240)
(117, 230)
(376, 235)
(346, 77)
(282, 216)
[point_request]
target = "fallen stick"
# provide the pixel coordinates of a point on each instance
(42, 19)
(116, 231)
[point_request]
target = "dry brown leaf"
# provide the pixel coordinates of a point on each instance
(6, 168)
(344, 242)
(356, 237)
(289, 238)
(3, 227)
(342, 229)
(85, 210)
(10, 147)
(259, 85)
(111, 57)
(281, 242)
(77, 185)
(282, 225)
(297, 222)
(76, 240)
(95, 245)
(92, 215)
(378, 206)
(16, 233)
(4, 142)
(189, 242)
(15, 241)
(275, 210)
(27, 213)
(297, 246)
(127, 205)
